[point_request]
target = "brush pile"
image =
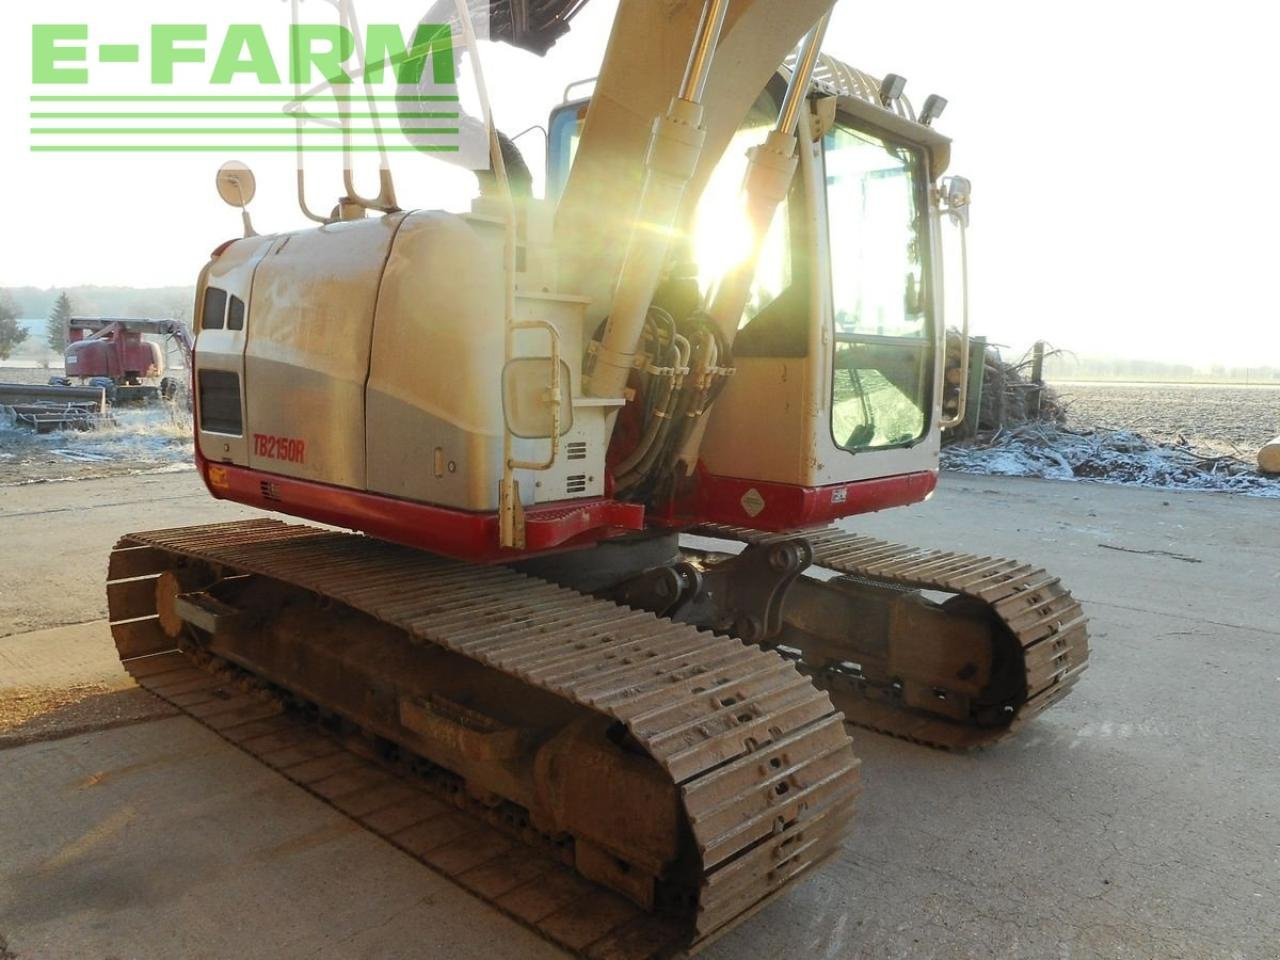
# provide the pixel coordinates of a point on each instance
(1009, 397)
(1025, 430)
(1056, 452)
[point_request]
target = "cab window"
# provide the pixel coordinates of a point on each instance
(563, 137)
(883, 359)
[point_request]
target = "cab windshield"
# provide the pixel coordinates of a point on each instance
(883, 376)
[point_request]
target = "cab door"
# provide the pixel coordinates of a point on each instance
(880, 318)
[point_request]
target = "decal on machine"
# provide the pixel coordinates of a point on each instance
(288, 449)
(752, 502)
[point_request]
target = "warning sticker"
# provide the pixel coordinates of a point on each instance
(752, 502)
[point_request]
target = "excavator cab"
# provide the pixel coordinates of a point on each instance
(838, 354)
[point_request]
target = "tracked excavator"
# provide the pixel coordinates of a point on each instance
(587, 636)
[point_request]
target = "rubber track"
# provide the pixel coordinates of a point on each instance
(765, 768)
(1048, 623)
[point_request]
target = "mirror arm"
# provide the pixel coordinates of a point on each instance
(237, 187)
(959, 214)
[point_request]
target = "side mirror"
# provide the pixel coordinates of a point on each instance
(531, 408)
(954, 199)
(956, 196)
(237, 186)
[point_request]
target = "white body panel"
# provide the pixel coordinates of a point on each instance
(307, 359)
(436, 365)
(373, 352)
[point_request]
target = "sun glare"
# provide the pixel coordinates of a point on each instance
(722, 231)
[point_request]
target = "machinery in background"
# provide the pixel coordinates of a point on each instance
(116, 354)
(57, 406)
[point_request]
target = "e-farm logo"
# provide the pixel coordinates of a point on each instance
(246, 88)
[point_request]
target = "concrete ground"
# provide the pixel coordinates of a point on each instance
(1138, 819)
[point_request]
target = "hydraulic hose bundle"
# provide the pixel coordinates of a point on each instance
(681, 371)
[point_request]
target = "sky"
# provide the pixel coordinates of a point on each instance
(1119, 153)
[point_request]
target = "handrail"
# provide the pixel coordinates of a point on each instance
(553, 397)
(385, 201)
(511, 516)
(575, 83)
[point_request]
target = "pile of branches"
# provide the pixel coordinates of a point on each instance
(1009, 397)
(1054, 452)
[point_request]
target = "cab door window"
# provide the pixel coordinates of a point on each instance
(876, 212)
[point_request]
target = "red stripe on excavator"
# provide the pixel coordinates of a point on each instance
(454, 533)
(780, 506)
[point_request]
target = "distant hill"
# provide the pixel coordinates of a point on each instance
(1068, 366)
(158, 302)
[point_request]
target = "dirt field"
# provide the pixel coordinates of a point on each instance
(1217, 420)
(29, 374)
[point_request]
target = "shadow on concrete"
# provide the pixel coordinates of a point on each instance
(28, 715)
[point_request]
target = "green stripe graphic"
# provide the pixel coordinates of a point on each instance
(271, 115)
(243, 148)
(415, 98)
(210, 131)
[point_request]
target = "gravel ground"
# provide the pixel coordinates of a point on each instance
(1216, 420)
